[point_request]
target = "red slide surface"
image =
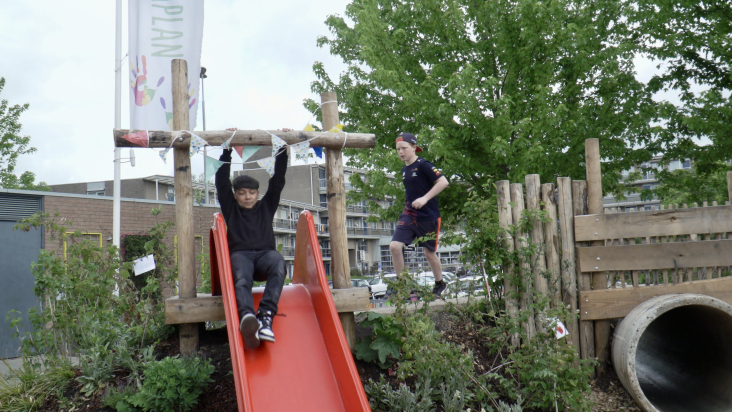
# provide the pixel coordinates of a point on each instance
(310, 367)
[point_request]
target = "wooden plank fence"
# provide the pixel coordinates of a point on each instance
(604, 264)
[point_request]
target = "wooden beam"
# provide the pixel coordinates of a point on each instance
(551, 242)
(188, 333)
(162, 139)
(652, 223)
(567, 268)
(617, 303)
(656, 256)
(336, 193)
(524, 269)
(505, 222)
(584, 280)
(205, 307)
(599, 279)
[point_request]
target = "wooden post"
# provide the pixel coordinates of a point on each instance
(729, 186)
(584, 281)
(505, 221)
(520, 243)
(568, 267)
(336, 189)
(538, 259)
(188, 332)
(599, 279)
(551, 242)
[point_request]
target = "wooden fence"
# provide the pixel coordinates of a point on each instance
(603, 265)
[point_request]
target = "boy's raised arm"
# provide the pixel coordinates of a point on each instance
(223, 183)
(277, 181)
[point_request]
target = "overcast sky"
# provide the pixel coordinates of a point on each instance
(59, 57)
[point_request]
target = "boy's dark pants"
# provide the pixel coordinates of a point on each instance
(245, 264)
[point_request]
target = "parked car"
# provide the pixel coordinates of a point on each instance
(360, 283)
(467, 285)
(378, 287)
(446, 276)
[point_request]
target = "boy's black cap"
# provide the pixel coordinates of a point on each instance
(409, 138)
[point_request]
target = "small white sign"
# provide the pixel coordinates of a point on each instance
(144, 264)
(559, 329)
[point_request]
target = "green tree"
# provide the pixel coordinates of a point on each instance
(12, 145)
(692, 43)
(691, 186)
(494, 89)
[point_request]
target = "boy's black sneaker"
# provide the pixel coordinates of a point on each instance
(265, 326)
(249, 328)
(439, 288)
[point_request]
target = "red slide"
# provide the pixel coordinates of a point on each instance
(310, 367)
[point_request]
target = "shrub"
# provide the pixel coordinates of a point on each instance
(173, 384)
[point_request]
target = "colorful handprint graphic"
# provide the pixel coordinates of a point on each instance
(169, 114)
(143, 93)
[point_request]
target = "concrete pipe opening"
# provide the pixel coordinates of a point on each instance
(673, 353)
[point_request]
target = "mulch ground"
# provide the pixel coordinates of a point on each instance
(608, 394)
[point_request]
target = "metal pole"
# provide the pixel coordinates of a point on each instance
(116, 202)
(205, 152)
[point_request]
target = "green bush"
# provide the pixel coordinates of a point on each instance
(172, 384)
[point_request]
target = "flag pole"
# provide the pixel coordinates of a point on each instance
(116, 202)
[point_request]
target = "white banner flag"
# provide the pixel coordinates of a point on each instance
(160, 31)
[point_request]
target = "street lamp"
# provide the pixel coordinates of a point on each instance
(205, 152)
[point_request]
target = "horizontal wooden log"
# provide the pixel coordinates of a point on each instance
(210, 308)
(652, 223)
(656, 256)
(617, 303)
(250, 138)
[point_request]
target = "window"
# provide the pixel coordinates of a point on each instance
(323, 220)
(97, 193)
(324, 200)
(321, 173)
(687, 164)
(349, 222)
(95, 188)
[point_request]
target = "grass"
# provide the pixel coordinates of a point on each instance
(26, 388)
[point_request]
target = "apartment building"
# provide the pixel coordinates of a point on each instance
(648, 180)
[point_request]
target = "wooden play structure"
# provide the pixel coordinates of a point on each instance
(603, 263)
(188, 309)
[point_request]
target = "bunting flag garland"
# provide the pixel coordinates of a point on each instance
(277, 144)
(212, 166)
(337, 128)
(196, 144)
(140, 138)
(268, 165)
(227, 144)
(164, 153)
(245, 152)
(318, 150)
(300, 150)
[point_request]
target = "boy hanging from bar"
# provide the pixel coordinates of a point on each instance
(252, 244)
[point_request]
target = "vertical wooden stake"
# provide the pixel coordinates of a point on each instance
(569, 273)
(520, 243)
(584, 281)
(505, 221)
(538, 258)
(188, 332)
(551, 242)
(729, 186)
(336, 189)
(599, 279)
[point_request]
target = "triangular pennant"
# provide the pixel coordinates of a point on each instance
(318, 151)
(139, 138)
(227, 144)
(337, 128)
(277, 144)
(163, 154)
(300, 150)
(196, 144)
(212, 165)
(245, 152)
(308, 128)
(267, 164)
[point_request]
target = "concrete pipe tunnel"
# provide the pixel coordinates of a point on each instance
(673, 353)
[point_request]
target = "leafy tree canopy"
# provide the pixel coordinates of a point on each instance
(13, 145)
(692, 42)
(493, 89)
